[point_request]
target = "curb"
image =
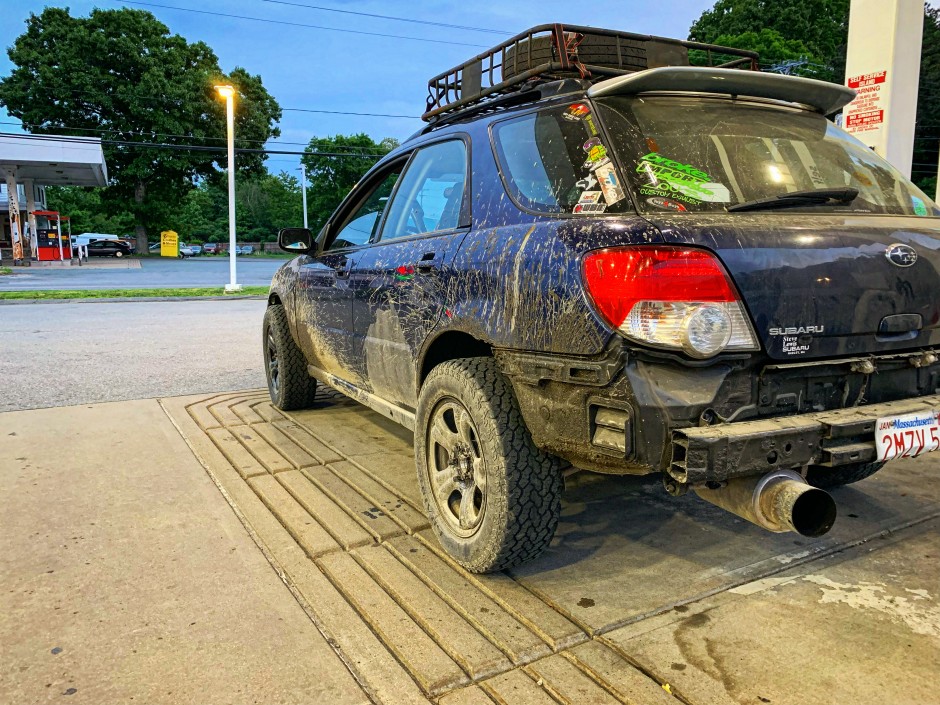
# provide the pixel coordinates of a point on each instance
(127, 299)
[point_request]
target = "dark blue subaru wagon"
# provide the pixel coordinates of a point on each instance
(605, 252)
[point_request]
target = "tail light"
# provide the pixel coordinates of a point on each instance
(669, 297)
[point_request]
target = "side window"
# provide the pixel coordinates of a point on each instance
(430, 196)
(360, 227)
(555, 161)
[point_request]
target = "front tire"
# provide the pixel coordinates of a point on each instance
(827, 478)
(285, 366)
(493, 498)
(118, 254)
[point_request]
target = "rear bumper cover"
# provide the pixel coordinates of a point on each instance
(826, 438)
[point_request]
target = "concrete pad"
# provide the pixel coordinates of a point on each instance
(861, 627)
(627, 534)
(562, 628)
(125, 576)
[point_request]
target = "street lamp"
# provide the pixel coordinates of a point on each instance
(228, 92)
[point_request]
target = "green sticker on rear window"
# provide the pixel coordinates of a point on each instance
(669, 177)
(920, 208)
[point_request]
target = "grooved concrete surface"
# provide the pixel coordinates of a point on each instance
(641, 598)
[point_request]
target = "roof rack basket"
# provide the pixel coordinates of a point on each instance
(554, 51)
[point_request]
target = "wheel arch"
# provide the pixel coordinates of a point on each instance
(450, 345)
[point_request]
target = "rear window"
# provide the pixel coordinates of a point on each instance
(554, 161)
(699, 154)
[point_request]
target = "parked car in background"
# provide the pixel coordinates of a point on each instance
(210, 248)
(153, 247)
(244, 250)
(131, 244)
(185, 251)
(108, 248)
(196, 248)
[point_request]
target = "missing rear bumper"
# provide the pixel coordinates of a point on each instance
(828, 438)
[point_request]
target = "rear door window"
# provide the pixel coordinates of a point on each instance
(556, 161)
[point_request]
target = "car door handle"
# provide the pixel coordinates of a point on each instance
(428, 262)
(342, 268)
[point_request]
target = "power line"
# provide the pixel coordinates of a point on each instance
(300, 24)
(387, 17)
(339, 112)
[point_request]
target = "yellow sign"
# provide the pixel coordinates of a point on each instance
(169, 244)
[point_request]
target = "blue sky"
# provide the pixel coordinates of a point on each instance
(327, 70)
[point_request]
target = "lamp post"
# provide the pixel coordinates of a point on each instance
(228, 92)
(303, 189)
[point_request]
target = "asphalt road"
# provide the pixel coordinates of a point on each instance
(153, 273)
(64, 354)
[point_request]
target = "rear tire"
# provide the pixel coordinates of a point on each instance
(493, 498)
(827, 478)
(285, 366)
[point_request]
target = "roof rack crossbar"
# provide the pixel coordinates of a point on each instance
(553, 51)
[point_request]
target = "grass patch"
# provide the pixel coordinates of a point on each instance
(44, 295)
(5, 270)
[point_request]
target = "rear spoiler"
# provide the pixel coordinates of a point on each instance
(824, 97)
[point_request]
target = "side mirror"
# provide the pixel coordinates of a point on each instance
(295, 240)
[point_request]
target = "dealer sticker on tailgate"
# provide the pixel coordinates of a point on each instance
(907, 436)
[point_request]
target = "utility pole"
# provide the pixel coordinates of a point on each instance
(303, 189)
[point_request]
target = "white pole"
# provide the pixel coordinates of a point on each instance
(230, 117)
(58, 227)
(303, 189)
(936, 198)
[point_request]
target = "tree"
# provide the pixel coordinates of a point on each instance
(83, 207)
(122, 75)
(820, 27)
(334, 165)
(779, 28)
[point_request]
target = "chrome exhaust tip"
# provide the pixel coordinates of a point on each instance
(778, 501)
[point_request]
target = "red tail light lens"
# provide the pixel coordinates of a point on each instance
(668, 297)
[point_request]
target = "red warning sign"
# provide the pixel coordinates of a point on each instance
(867, 79)
(858, 119)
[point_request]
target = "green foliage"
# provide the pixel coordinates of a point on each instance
(121, 74)
(330, 177)
(263, 205)
(816, 28)
(927, 132)
(83, 206)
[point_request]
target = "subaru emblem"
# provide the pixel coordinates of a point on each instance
(901, 255)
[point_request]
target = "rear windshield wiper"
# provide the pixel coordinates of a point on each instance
(813, 197)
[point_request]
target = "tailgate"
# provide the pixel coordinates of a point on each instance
(819, 286)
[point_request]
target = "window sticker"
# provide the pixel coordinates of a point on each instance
(576, 112)
(590, 197)
(667, 203)
(672, 178)
(589, 124)
(920, 208)
(591, 208)
(610, 184)
(586, 183)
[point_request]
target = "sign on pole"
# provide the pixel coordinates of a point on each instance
(169, 244)
(883, 66)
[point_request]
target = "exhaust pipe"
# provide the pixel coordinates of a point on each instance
(779, 501)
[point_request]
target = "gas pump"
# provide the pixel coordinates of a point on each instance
(51, 243)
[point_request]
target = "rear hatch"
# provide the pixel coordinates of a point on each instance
(833, 250)
(818, 286)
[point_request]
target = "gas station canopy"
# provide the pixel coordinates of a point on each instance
(53, 160)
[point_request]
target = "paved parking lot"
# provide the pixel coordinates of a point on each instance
(641, 598)
(153, 273)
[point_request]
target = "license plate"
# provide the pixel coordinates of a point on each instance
(908, 435)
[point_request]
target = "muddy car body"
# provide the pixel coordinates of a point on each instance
(679, 270)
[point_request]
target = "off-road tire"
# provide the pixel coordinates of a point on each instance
(827, 478)
(292, 387)
(523, 484)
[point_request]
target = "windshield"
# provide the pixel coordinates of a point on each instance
(701, 154)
